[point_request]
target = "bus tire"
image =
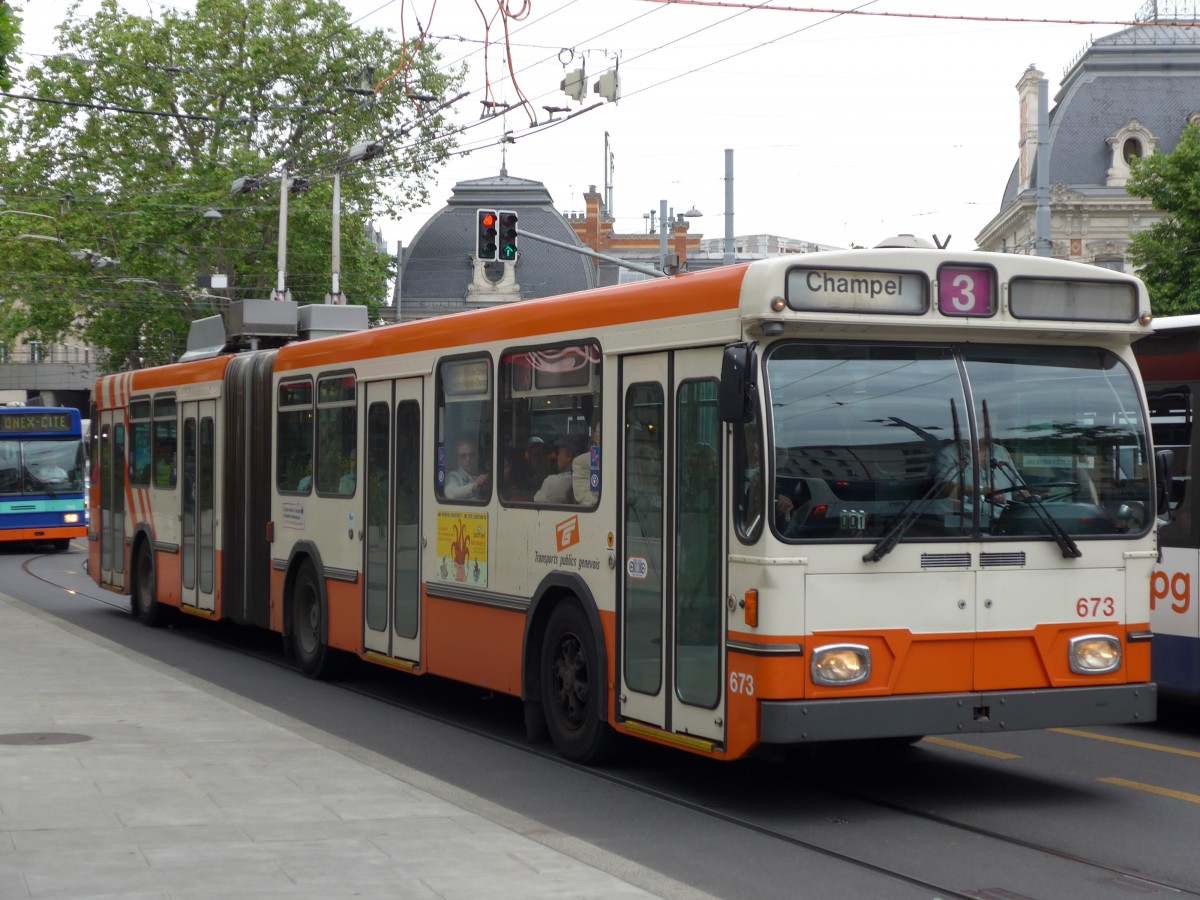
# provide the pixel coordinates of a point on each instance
(62, 545)
(313, 655)
(572, 689)
(144, 598)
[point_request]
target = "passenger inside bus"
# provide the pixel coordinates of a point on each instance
(557, 488)
(516, 482)
(465, 481)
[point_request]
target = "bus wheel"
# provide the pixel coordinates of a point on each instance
(313, 656)
(571, 688)
(144, 602)
(62, 546)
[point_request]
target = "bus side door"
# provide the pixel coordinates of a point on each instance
(671, 611)
(198, 525)
(111, 511)
(392, 515)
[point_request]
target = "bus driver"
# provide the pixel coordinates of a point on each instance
(466, 482)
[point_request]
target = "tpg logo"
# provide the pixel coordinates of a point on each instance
(567, 533)
(1175, 587)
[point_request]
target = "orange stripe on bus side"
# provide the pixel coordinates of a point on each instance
(650, 301)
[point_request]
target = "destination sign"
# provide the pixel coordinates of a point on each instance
(857, 290)
(36, 423)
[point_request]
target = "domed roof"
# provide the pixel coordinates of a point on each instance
(438, 262)
(1150, 73)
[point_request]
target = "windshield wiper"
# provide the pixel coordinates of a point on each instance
(1070, 549)
(916, 506)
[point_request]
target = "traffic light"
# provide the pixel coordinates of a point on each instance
(608, 86)
(486, 244)
(508, 235)
(575, 84)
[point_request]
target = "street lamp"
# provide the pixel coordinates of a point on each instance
(364, 150)
(360, 152)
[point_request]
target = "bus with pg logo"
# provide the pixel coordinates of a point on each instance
(1170, 365)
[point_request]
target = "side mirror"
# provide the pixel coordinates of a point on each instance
(738, 395)
(1164, 461)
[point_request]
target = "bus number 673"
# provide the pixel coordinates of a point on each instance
(1093, 607)
(741, 683)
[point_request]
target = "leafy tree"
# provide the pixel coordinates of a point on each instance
(143, 127)
(10, 39)
(1167, 254)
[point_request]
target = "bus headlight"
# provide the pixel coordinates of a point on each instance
(71, 518)
(841, 664)
(1095, 654)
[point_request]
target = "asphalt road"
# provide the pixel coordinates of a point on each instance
(1096, 812)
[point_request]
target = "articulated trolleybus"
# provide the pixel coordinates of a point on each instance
(41, 475)
(871, 494)
(1170, 365)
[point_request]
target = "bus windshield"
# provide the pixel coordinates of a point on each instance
(39, 466)
(941, 441)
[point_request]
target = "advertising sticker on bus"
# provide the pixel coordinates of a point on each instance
(462, 547)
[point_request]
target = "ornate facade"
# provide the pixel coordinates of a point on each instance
(1128, 95)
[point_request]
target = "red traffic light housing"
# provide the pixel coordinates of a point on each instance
(485, 247)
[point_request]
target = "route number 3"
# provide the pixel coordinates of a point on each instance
(965, 291)
(1094, 607)
(741, 683)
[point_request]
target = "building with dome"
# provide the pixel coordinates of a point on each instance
(440, 273)
(1127, 95)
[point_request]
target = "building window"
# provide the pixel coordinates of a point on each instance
(1131, 150)
(1116, 263)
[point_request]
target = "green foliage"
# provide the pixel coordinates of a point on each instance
(10, 39)
(236, 88)
(1167, 254)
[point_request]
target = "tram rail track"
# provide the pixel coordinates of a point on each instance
(215, 635)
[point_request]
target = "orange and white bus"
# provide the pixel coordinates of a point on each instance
(849, 495)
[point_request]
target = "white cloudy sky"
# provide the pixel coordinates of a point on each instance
(844, 128)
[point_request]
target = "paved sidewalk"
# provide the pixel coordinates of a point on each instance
(122, 778)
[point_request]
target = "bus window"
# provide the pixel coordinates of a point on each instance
(550, 425)
(139, 443)
(748, 479)
(337, 435)
(464, 430)
(166, 442)
(1171, 423)
(294, 437)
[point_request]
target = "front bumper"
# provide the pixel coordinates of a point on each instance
(804, 721)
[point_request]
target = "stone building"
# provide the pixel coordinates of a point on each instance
(1127, 95)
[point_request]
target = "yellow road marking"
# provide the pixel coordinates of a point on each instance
(1151, 789)
(1144, 745)
(971, 748)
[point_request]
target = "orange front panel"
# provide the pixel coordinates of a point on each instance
(43, 534)
(1137, 656)
(741, 716)
(474, 644)
(901, 663)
